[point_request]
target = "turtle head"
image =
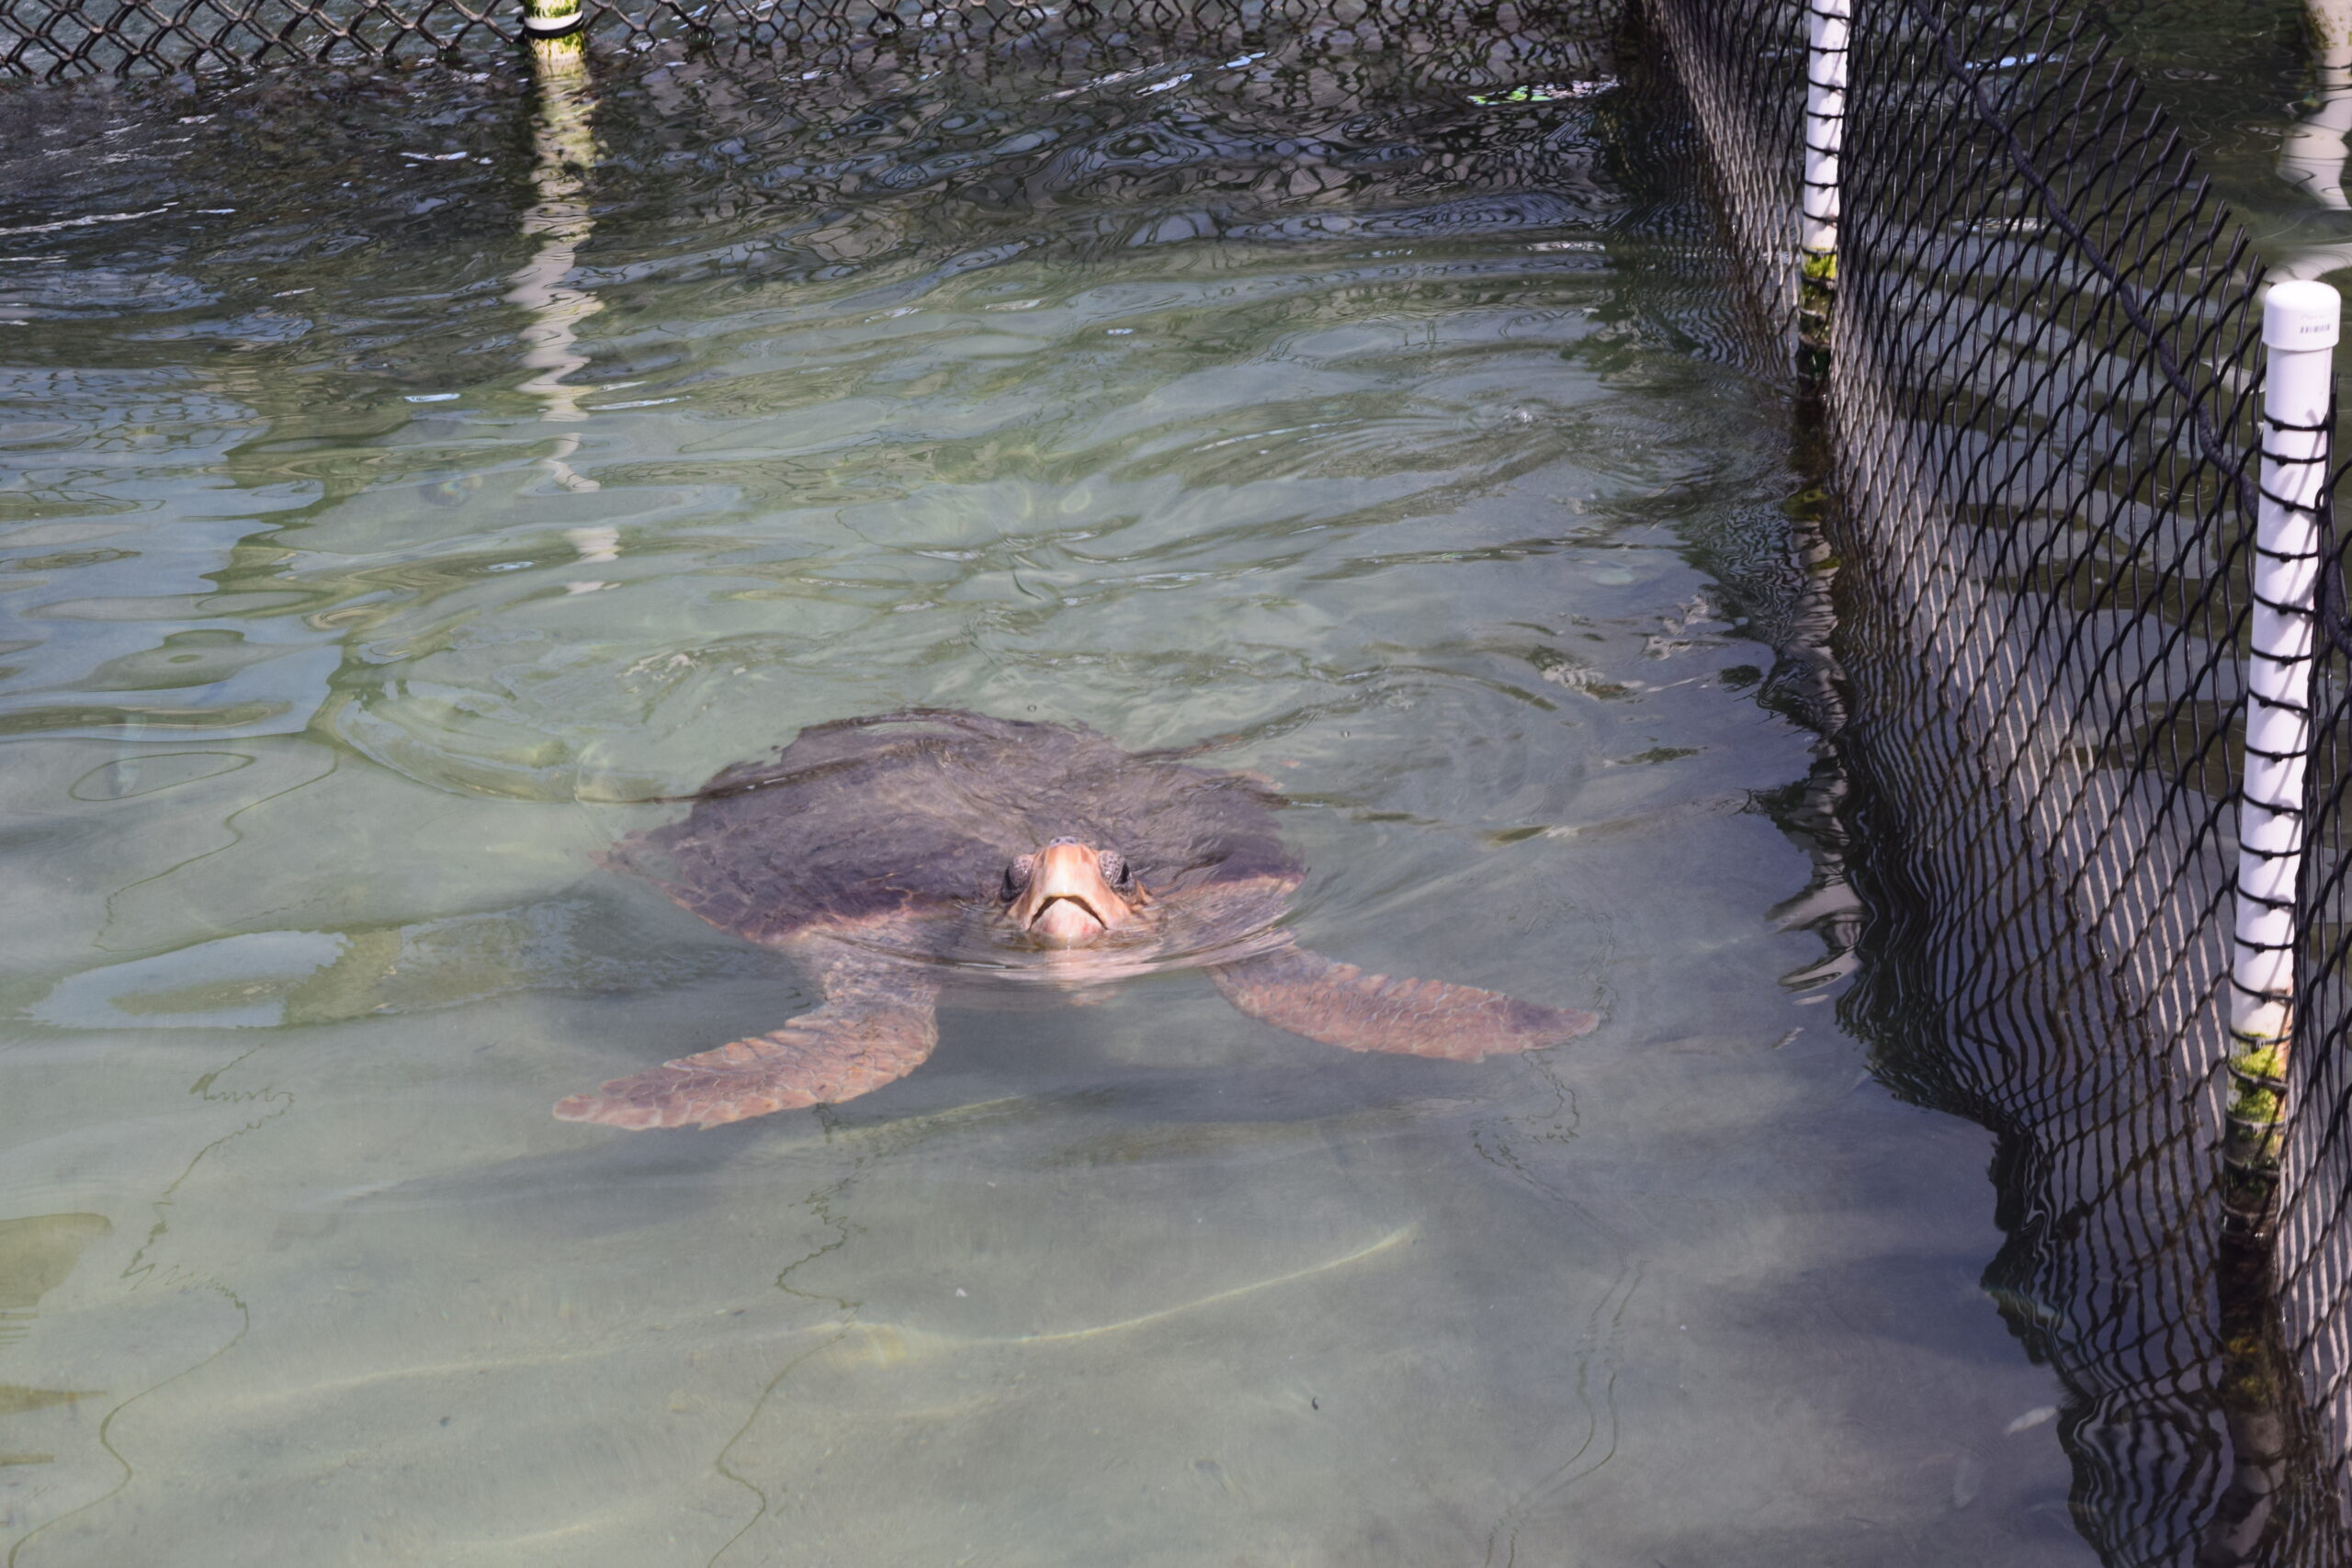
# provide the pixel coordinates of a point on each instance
(1070, 894)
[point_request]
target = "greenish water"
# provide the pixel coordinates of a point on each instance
(383, 503)
(2246, 87)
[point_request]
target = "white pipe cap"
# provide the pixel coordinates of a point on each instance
(2301, 313)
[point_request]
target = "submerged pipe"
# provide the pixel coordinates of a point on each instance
(2311, 155)
(553, 21)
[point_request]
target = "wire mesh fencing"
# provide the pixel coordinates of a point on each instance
(1741, 62)
(2043, 397)
(2313, 1249)
(55, 40)
(2043, 384)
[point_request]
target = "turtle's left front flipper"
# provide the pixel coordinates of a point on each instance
(1339, 1004)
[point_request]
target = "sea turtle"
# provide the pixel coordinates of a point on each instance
(886, 854)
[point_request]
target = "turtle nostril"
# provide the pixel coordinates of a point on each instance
(1064, 838)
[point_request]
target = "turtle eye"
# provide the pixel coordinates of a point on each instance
(1016, 876)
(1116, 869)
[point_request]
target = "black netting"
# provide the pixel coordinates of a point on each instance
(2042, 403)
(2045, 376)
(2315, 1243)
(54, 38)
(1742, 62)
(51, 40)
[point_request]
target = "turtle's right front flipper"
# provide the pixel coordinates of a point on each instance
(878, 1023)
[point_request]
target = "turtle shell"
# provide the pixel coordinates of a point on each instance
(922, 810)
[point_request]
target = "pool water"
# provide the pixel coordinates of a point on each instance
(402, 479)
(2264, 112)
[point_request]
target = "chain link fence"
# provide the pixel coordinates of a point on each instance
(2313, 1251)
(2044, 386)
(2043, 398)
(51, 40)
(56, 39)
(1742, 68)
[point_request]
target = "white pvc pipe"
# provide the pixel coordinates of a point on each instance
(2301, 322)
(551, 18)
(2331, 25)
(1827, 27)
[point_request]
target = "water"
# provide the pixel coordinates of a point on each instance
(388, 507)
(2247, 89)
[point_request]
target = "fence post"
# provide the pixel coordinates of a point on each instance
(553, 23)
(2301, 322)
(1827, 25)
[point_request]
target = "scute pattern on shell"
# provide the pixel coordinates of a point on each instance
(922, 810)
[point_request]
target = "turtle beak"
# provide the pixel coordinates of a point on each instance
(1067, 903)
